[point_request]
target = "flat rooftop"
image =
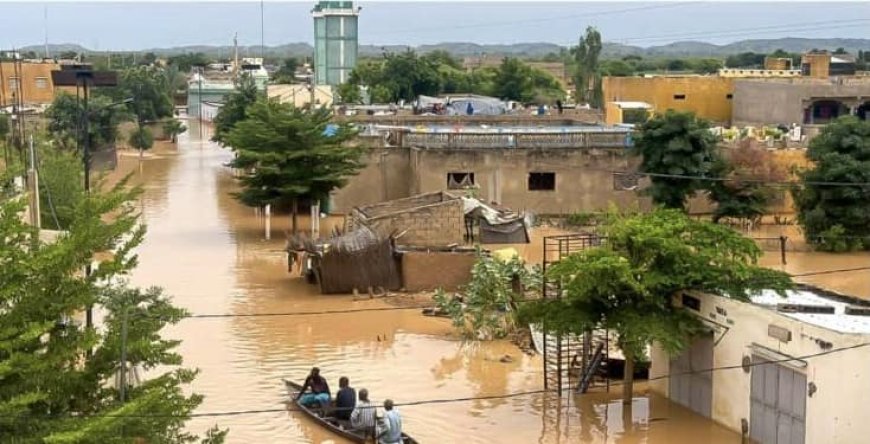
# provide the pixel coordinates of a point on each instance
(838, 320)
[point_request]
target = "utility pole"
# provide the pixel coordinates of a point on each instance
(123, 377)
(33, 185)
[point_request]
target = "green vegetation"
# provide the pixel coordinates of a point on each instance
(286, 73)
(488, 306)
(676, 143)
(745, 196)
(185, 62)
(56, 374)
(837, 218)
(637, 65)
(628, 284)
(141, 139)
(587, 72)
(235, 108)
(287, 154)
(61, 190)
(406, 75)
(172, 128)
(64, 118)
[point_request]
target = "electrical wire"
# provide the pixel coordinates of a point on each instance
(441, 29)
(47, 190)
(475, 398)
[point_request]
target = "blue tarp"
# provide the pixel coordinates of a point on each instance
(330, 130)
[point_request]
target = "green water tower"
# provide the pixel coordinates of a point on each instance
(335, 41)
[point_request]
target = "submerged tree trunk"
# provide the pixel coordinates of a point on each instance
(628, 379)
(295, 210)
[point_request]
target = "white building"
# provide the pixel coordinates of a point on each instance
(768, 385)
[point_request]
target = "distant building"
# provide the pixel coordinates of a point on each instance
(301, 95)
(209, 88)
(27, 83)
(825, 87)
(335, 41)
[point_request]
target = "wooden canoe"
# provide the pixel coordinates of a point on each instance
(339, 427)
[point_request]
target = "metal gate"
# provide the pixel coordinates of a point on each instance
(691, 380)
(568, 360)
(779, 401)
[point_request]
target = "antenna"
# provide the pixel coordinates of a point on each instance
(45, 25)
(262, 34)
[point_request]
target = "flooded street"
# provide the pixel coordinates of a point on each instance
(209, 252)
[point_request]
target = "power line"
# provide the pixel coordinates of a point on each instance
(800, 26)
(471, 398)
(301, 313)
(537, 20)
(767, 182)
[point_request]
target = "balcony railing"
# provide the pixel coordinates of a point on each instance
(609, 139)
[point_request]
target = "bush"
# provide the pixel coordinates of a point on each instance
(487, 308)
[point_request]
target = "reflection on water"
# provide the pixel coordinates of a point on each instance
(209, 252)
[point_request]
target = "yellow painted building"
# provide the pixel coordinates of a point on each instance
(708, 97)
(28, 83)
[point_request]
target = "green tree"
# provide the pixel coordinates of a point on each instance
(616, 68)
(349, 93)
(744, 195)
(287, 154)
(142, 139)
(235, 108)
(587, 76)
(286, 73)
(56, 374)
(185, 62)
(65, 118)
(513, 80)
(841, 153)
(490, 299)
(628, 284)
(173, 128)
(680, 144)
(150, 90)
(61, 185)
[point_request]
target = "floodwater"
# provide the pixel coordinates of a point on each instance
(210, 254)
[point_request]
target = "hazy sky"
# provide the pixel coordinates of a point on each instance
(140, 25)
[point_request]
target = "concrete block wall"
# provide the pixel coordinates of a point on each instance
(431, 225)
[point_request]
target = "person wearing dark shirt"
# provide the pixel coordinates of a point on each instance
(319, 390)
(345, 399)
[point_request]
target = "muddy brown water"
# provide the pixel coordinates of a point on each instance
(209, 253)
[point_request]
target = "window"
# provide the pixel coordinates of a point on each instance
(13, 83)
(458, 181)
(729, 96)
(679, 97)
(42, 82)
(542, 181)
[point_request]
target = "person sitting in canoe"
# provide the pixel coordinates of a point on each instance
(319, 394)
(391, 429)
(345, 399)
(363, 416)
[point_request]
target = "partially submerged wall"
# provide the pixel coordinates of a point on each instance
(433, 270)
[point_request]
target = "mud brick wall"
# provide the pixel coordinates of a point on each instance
(429, 271)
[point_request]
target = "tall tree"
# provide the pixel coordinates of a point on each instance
(65, 118)
(513, 80)
(55, 374)
(627, 285)
(587, 76)
(837, 217)
(744, 195)
(61, 185)
(680, 144)
(235, 107)
(288, 154)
